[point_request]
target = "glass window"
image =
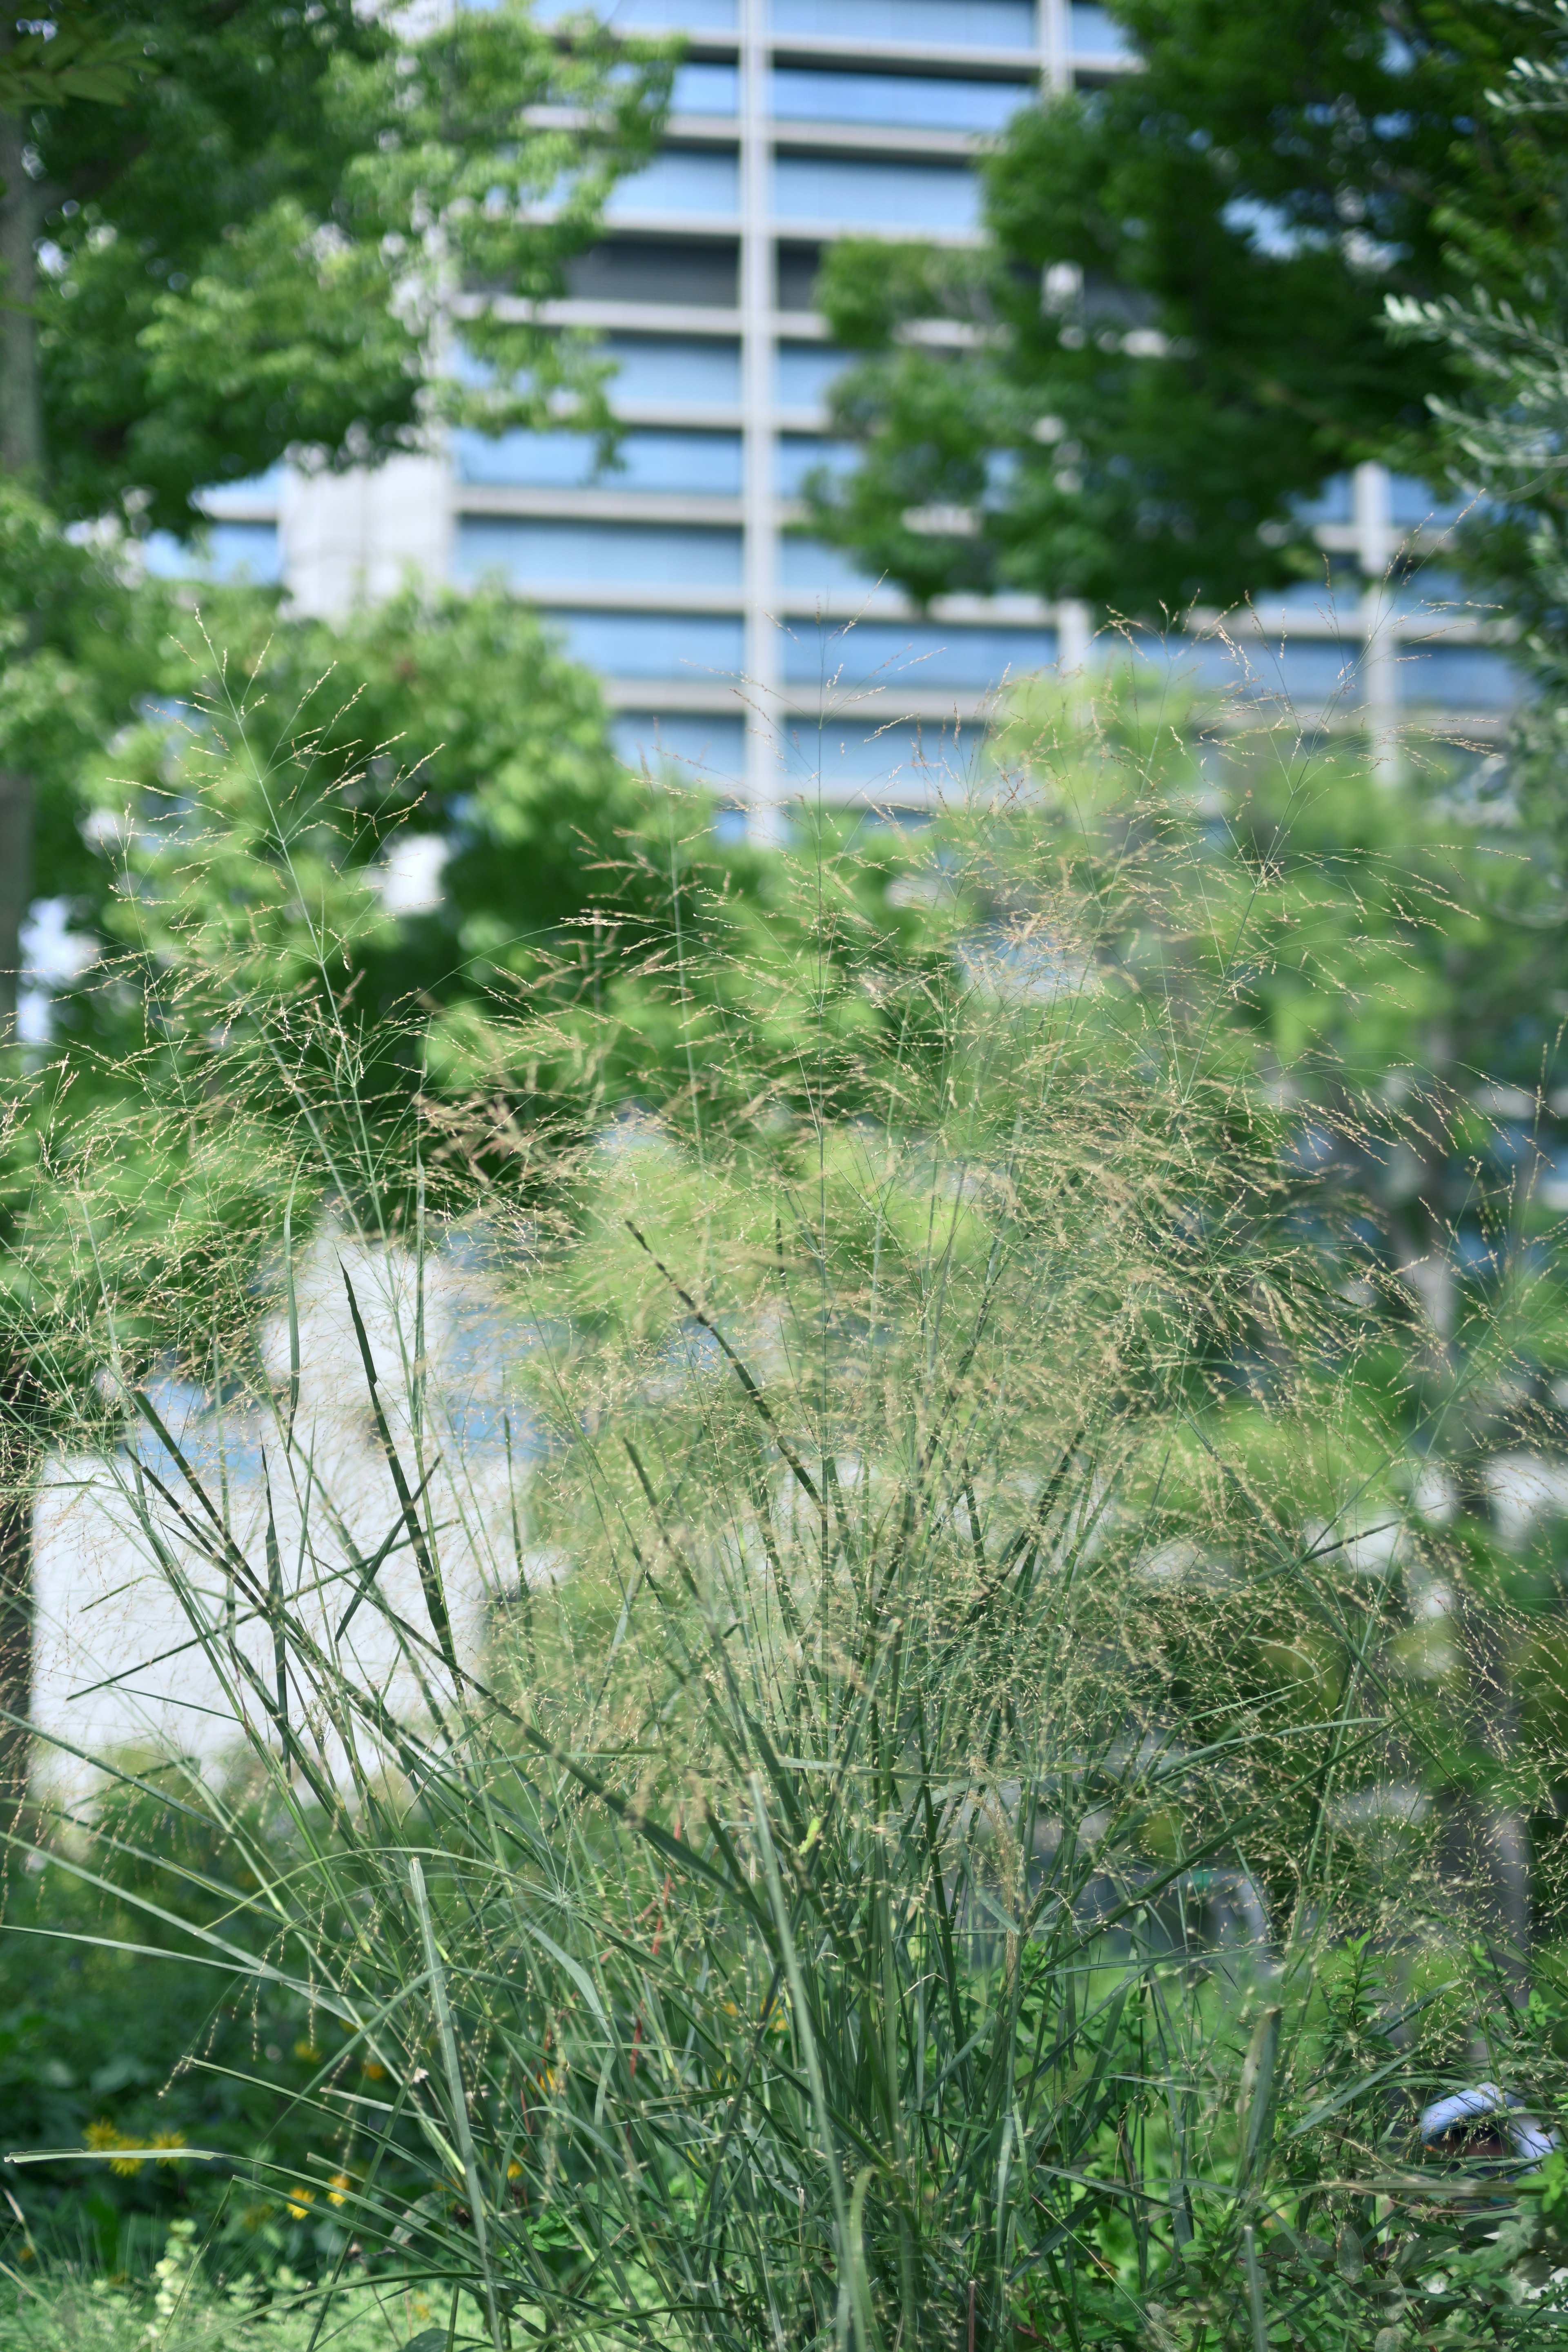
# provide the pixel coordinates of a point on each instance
(921, 656)
(1430, 587)
(699, 270)
(1335, 502)
(902, 761)
(258, 490)
(706, 750)
(643, 15)
(879, 196)
(223, 551)
(706, 90)
(678, 181)
(943, 24)
(640, 554)
(700, 463)
(810, 568)
(918, 101)
(800, 454)
(671, 368)
(1459, 678)
(1097, 34)
(653, 645)
(1413, 504)
(804, 371)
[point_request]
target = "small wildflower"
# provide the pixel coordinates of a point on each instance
(308, 2051)
(300, 2202)
(340, 2189)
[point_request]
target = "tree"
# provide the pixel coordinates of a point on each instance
(299, 233)
(1178, 330)
(230, 234)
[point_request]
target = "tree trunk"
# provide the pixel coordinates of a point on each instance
(22, 206)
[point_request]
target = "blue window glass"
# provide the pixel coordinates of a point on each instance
(696, 463)
(257, 489)
(706, 90)
(918, 101)
(1097, 34)
(223, 552)
(658, 368)
(646, 16)
(1432, 589)
(820, 189)
(1459, 678)
(805, 372)
(809, 568)
(653, 645)
(1335, 502)
(921, 656)
(1311, 671)
(900, 760)
(801, 454)
(945, 24)
(644, 555)
(1412, 504)
(706, 750)
(679, 181)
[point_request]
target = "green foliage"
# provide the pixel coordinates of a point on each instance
(259, 250)
(922, 1849)
(1182, 313)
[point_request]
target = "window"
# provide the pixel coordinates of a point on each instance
(804, 371)
(797, 266)
(222, 552)
(916, 101)
(1414, 505)
(918, 656)
(1097, 34)
(653, 645)
(666, 369)
(700, 463)
(260, 489)
(706, 90)
(944, 24)
(643, 15)
(704, 272)
(1335, 502)
(644, 555)
(878, 195)
(800, 454)
(809, 568)
(679, 181)
(902, 761)
(706, 751)
(1459, 678)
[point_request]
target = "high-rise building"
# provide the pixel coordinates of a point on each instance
(685, 574)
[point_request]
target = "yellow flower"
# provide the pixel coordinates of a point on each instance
(105, 2134)
(514, 2170)
(341, 2185)
(300, 2202)
(375, 2072)
(170, 2139)
(308, 2051)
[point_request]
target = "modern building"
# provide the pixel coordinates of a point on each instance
(685, 575)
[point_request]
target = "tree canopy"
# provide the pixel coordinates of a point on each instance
(1178, 332)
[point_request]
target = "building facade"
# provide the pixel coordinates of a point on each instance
(730, 640)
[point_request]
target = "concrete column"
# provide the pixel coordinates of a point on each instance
(764, 777)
